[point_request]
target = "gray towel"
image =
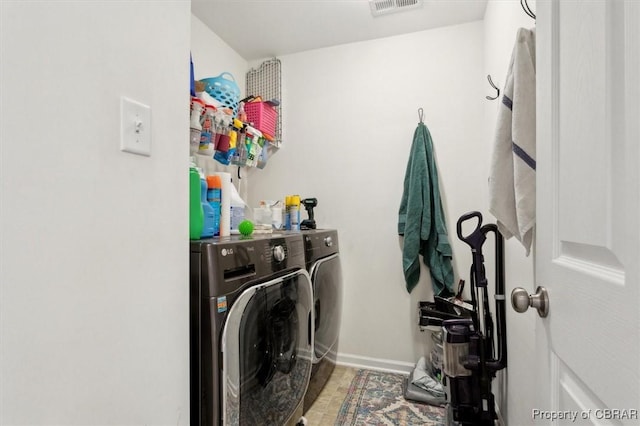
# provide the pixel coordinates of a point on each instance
(423, 379)
(512, 184)
(415, 393)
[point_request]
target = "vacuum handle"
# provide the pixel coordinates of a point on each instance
(476, 238)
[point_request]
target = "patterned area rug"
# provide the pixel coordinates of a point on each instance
(376, 398)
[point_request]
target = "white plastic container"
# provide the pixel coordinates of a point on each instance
(276, 217)
(262, 216)
(237, 216)
(237, 210)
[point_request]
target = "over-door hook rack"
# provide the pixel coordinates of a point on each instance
(494, 86)
(527, 9)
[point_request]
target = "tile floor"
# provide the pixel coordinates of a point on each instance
(324, 410)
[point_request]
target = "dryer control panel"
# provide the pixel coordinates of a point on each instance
(320, 243)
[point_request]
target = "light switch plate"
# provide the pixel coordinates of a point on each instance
(135, 127)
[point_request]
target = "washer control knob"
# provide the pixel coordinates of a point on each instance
(279, 254)
(328, 241)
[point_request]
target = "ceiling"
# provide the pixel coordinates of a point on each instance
(258, 29)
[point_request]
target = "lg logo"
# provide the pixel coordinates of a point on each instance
(225, 251)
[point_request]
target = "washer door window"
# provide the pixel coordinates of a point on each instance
(326, 276)
(267, 351)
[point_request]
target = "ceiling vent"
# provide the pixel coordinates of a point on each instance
(383, 7)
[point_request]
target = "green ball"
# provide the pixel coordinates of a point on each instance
(246, 227)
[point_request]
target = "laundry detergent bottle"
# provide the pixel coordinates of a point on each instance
(196, 214)
(208, 228)
(214, 197)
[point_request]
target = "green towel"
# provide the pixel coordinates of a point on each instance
(421, 219)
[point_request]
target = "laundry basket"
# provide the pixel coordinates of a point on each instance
(224, 89)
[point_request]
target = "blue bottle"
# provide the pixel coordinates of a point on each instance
(214, 193)
(208, 228)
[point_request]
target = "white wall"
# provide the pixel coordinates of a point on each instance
(94, 274)
(212, 56)
(349, 116)
(502, 20)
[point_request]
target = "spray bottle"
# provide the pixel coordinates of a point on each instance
(197, 107)
(239, 156)
(294, 213)
(287, 216)
(207, 140)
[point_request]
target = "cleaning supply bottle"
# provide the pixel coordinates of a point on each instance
(227, 148)
(252, 142)
(207, 142)
(239, 156)
(214, 197)
(208, 223)
(242, 115)
(197, 108)
(287, 216)
(294, 213)
(196, 214)
(224, 133)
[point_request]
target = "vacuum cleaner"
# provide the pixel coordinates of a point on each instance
(470, 356)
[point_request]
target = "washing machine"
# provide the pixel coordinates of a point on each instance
(322, 260)
(251, 334)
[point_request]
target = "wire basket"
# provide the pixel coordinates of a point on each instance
(266, 82)
(263, 116)
(224, 90)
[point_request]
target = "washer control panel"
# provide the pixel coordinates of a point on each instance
(230, 263)
(279, 253)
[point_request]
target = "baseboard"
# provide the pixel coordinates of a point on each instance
(365, 362)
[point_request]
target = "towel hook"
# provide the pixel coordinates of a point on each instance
(494, 86)
(420, 114)
(527, 9)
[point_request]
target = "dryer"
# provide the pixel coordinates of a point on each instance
(322, 260)
(250, 330)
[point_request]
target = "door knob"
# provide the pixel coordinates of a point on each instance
(521, 300)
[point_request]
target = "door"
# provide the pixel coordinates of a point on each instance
(267, 351)
(326, 276)
(587, 253)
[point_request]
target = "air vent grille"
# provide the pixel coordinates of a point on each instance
(382, 7)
